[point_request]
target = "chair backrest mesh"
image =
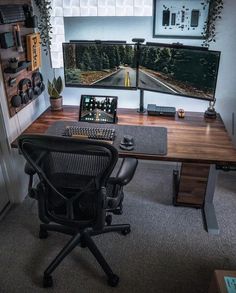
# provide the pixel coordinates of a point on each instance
(78, 164)
(69, 167)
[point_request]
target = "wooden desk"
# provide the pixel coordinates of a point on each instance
(198, 143)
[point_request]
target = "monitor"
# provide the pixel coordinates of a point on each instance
(100, 65)
(178, 70)
(99, 109)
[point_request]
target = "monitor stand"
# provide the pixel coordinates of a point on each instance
(141, 103)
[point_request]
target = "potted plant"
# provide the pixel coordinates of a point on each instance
(13, 62)
(45, 26)
(214, 14)
(55, 88)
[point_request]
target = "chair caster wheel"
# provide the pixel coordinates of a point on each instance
(118, 211)
(113, 280)
(108, 220)
(43, 234)
(47, 281)
(126, 231)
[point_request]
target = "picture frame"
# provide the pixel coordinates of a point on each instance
(179, 18)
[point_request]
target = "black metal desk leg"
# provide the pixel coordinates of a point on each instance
(208, 209)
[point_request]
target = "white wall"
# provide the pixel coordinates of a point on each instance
(226, 86)
(123, 28)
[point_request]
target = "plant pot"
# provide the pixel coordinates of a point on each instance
(56, 104)
(13, 65)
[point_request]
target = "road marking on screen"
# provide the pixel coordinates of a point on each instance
(127, 79)
(159, 82)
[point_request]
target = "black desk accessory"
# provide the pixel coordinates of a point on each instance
(127, 143)
(154, 110)
(98, 109)
(210, 112)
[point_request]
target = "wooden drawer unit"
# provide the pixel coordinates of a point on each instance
(190, 184)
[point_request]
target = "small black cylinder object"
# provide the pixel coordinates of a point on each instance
(18, 38)
(209, 113)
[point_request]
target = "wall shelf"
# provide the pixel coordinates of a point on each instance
(22, 65)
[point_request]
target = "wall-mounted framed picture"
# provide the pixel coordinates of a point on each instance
(179, 18)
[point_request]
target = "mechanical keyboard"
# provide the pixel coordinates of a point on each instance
(104, 134)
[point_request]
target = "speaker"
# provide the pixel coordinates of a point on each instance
(37, 82)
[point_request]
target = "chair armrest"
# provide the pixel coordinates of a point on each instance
(29, 170)
(125, 173)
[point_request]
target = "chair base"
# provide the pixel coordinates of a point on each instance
(84, 239)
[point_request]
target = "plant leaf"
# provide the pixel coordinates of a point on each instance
(59, 85)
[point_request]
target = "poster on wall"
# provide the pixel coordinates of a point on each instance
(179, 18)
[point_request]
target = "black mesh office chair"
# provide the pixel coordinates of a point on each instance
(75, 191)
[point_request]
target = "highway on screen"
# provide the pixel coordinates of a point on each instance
(126, 77)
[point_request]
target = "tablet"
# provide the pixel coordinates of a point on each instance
(99, 109)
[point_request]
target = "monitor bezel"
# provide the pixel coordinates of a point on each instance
(99, 96)
(180, 46)
(100, 43)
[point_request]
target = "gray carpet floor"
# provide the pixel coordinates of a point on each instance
(167, 251)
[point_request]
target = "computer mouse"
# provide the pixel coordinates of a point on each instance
(127, 143)
(128, 140)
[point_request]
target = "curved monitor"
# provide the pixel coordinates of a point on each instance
(100, 65)
(178, 70)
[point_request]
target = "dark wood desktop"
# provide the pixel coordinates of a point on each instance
(199, 144)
